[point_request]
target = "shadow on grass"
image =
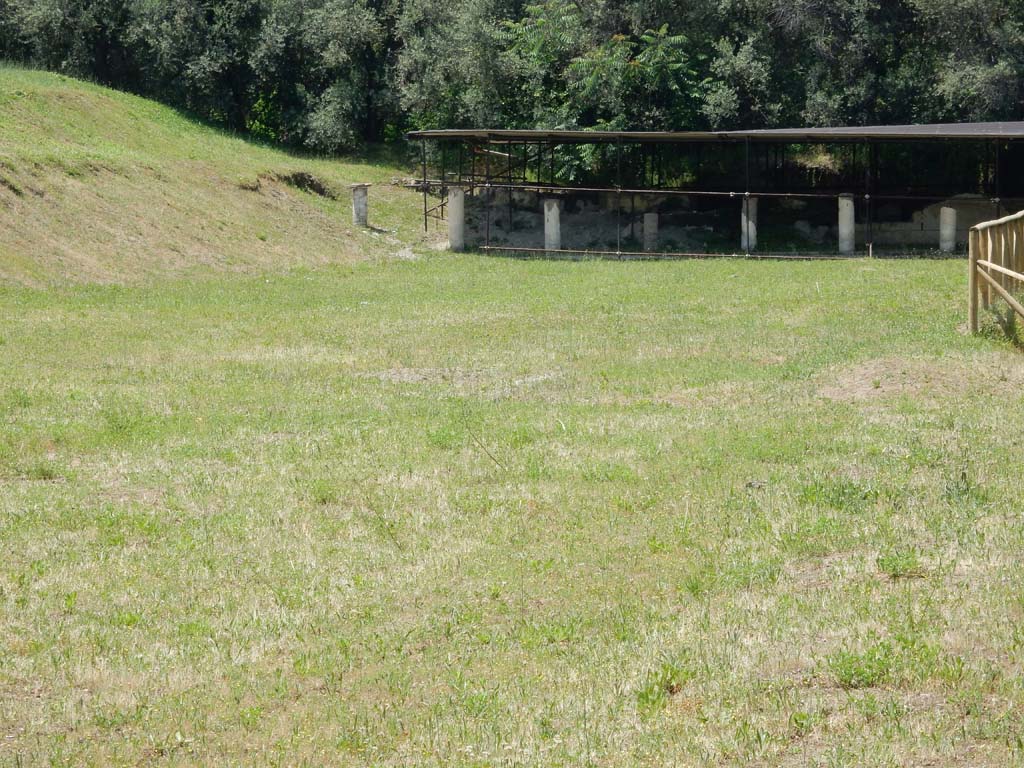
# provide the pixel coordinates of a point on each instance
(1003, 328)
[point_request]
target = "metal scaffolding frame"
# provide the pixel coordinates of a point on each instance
(762, 166)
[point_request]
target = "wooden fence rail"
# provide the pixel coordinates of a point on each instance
(996, 257)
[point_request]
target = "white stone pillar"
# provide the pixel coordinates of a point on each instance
(552, 225)
(748, 224)
(947, 229)
(456, 218)
(360, 204)
(650, 232)
(847, 231)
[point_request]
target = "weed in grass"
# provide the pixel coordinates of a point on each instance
(536, 468)
(961, 489)
(753, 572)
(660, 684)
(17, 398)
(610, 472)
(446, 436)
(126, 619)
(701, 578)
(323, 492)
(918, 657)
(356, 740)
(802, 723)
(901, 563)
(813, 534)
(751, 741)
(250, 717)
(554, 632)
(627, 620)
(546, 725)
(889, 710)
(840, 494)
(122, 421)
(655, 545)
(195, 630)
(865, 668)
(953, 670)
(42, 471)
(114, 719)
(637, 503)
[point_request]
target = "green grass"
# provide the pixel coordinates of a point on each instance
(101, 186)
(460, 510)
(471, 511)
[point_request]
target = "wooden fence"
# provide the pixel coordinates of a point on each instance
(996, 265)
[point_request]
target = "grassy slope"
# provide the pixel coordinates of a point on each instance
(101, 186)
(468, 511)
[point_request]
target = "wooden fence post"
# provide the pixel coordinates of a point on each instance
(985, 254)
(1001, 234)
(995, 265)
(1019, 247)
(1009, 261)
(972, 280)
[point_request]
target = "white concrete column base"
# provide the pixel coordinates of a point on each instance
(947, 229)
(552, 224)
(360, 204)
(847, 229)
(748, 224)
(456, 218)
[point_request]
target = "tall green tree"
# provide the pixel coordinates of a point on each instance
(330, 74)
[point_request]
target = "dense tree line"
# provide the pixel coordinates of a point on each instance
(329, 74)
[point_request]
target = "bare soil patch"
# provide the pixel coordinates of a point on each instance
(307, 182)
(931, 378)
(488, 381)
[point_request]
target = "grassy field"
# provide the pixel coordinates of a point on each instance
(461, 510)
(101, 186)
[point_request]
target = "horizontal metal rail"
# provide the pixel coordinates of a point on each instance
(679, 192)
(673, 254)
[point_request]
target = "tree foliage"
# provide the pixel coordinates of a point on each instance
(330, 74)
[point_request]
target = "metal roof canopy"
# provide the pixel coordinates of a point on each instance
(528, 160)
(964, 131)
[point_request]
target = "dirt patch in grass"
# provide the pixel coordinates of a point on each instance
(486, 381)
(11, 186)
(301, 180)
(423, 375)
(307, 182)
(893, 376)
(711, 395)
(815, 573)
(111, 228)
(931, 378)
(831, 712)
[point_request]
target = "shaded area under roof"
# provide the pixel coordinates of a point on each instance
(1002, 130)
